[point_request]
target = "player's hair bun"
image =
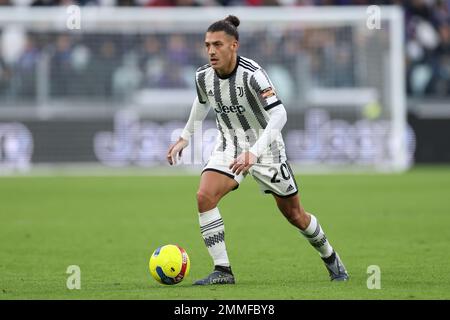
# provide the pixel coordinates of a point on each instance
(228, 25)
(233, 20)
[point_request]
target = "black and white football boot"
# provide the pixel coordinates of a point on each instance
(220, 275)
(336, 268)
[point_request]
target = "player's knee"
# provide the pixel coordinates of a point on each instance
(206, 200)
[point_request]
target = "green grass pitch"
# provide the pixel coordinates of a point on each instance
(109, 226)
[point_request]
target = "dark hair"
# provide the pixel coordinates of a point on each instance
(228, 25)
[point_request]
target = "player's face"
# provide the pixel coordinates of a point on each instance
(221, 49)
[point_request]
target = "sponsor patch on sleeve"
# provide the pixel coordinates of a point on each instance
(267, 93)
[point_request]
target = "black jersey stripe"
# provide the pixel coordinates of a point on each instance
(255, 86)
(275, 151)
(248, 65)
(249, 62)
(237, 148)
(223, 116)
(243, 64)
(234, 100)
(222, 146)
(272, 105)
(253, 103)
(204, 67)
(233, 94)
(201, 86)
(243, 121)
(199, 95)
(249, 132)
(246, 68)
(218, 97)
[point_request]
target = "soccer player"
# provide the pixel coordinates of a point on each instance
(249, 117)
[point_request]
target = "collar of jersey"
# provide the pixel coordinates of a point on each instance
(232, 72)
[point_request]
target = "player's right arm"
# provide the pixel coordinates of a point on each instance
(198, 114)
(199, 110)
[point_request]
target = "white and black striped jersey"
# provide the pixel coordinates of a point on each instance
(241, 102)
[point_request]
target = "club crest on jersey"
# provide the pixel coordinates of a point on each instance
(240, 91)
(221, 108)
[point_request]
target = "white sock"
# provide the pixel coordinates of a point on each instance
(315, 235)
(213, 232)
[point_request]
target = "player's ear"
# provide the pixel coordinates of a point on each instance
(235, 45)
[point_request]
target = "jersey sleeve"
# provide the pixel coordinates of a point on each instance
(264, 89)
(198, 113)
(278, 118)
(201, 87)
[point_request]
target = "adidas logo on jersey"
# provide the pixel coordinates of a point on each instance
(210, 93)
(227, 109)
(290, 188)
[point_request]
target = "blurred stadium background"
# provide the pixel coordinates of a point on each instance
(108, 98)
(114, 89)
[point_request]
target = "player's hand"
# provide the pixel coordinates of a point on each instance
(176, 150)
(243, 162)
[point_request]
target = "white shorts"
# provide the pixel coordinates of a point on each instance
(275, 178)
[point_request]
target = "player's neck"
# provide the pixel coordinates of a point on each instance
(229, 70)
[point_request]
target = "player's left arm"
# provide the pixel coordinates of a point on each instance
(245, 160)
(265, 91)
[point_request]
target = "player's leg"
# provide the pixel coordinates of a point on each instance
(307, 223)
(214, 185)
(278, 179)
(311, 229)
